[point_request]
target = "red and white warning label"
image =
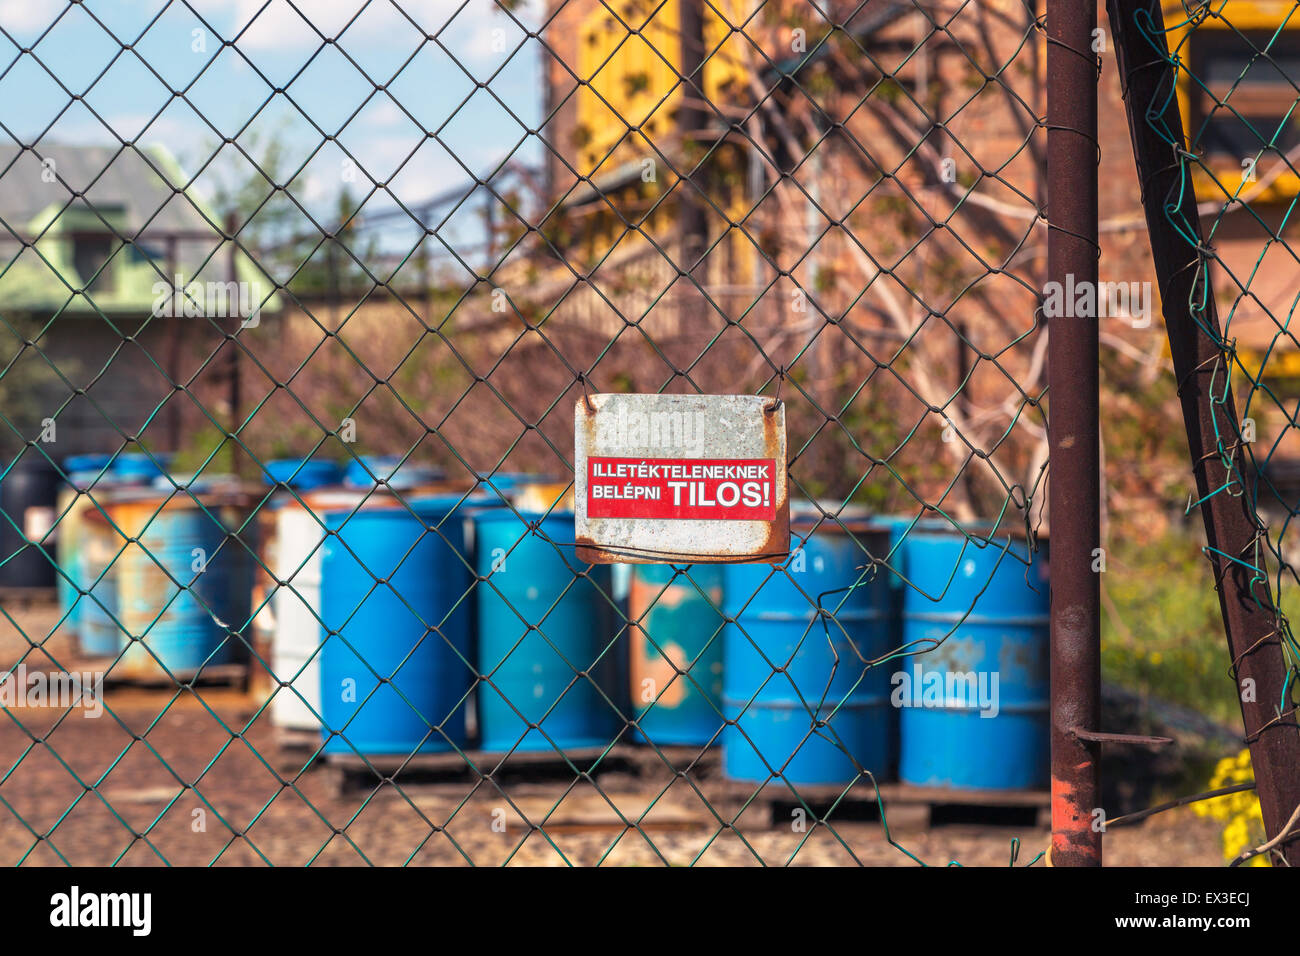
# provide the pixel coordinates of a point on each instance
(721, 489)
(664, 479)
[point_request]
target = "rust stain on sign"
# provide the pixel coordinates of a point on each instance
(680, 479)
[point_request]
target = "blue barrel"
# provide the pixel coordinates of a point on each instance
(974, 710)
(539, 625)
(781, 675)
(413, 631)
(85, 466)
(503, 484)
(366, 471)
(184, 582)
(195, 483)
(302, 474)
(676, 656)
(29, 490)
(139, 467)
(508, 480)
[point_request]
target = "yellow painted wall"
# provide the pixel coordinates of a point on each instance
(631, 67)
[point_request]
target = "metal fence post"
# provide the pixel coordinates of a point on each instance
(1074, 493)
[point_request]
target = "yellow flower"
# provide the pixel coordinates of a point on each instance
(1243, 822)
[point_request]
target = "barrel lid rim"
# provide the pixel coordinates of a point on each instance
(137, 496)
(833, 524)
(988, 534)
(195, 498)
(367, 504)
(506, 513)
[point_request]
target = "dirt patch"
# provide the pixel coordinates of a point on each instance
(196, 777)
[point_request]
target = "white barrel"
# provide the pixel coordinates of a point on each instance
(295, 646)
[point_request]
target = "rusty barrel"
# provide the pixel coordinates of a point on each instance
(184, 580)
(974, 709)
(806, 706)
(98, 544)
(676, 659)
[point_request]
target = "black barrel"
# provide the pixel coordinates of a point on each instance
(28, 491)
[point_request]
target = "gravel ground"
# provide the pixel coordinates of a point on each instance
(101, 780)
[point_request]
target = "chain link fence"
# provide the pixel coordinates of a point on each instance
(1237, 87)
(298, 300)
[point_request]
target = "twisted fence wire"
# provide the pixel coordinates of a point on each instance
(1234, 86)
(1228, 198)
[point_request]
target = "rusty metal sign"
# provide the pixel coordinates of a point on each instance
(680, 479)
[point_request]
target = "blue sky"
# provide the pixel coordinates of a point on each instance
(275, 40)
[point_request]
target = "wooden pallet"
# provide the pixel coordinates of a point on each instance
(638, 764)
(655, 764)
(776, 803)
(350, 771)
(295, 748)
(27, 598)
(214, 675)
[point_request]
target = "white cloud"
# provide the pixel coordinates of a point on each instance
(19, 16)
(280, 27)
(384, 112)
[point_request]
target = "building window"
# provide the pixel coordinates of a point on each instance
(90, 252)
(1256, 89)
(1240, 99)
